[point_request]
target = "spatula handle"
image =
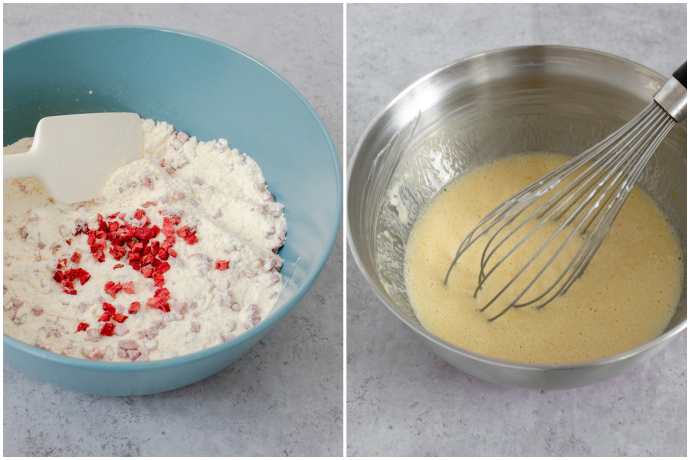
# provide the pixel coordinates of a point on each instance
(19, 165)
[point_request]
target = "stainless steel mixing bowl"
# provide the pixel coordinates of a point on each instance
(478, 109)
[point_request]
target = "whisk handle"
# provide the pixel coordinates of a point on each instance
(681, 74)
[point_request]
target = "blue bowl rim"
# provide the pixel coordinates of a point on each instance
(275, 315)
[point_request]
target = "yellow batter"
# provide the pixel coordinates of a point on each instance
(625, 298)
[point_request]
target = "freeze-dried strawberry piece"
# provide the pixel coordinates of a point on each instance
(108, 329)
(128, 287)
(168, 226)
(162, 294)
(147, 272)
(105, 317)
(119, 318)
(135, 264)
(191, 238)
(117, 252)
(117, 266)
(84, 277)
(145, 233)
(69, 242)
(112, 288)
(172, 252)
(158, 279)
(162, 254)
(149, 203)
(147, 259)
(163, 267)
(108, 308)
(81, 327)
(76, 257)
(58, 276)
(159, 304)
(134, 308)
(183, 232)
(139, 214)
(112, 216)
(67, 283)
(222, 265)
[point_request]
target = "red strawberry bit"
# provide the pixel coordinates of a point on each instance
(105, 317)
(191, 238)
(128, 287)
(112, 288)
(120, 318)
(222, 265)
(84, 277)
(159, 304)
(183, 232)
(149, 203)
(162, 294)
(172, 252)
(81, 327)
(108, 308)
(76, 257)
(108, 329)
(139, 214)
(117, 252)
(117, 266)
(69, 242)
(112, 216)
(163, 267)
(158, 279)
(147, 272)
(134, 308)
(147, 259)
(135, 264)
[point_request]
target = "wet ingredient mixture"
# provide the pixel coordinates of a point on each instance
(177, 254)
(625, 297)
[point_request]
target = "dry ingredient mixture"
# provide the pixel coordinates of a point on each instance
(625, 297)
(177, 254)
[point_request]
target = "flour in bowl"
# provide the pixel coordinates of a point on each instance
(177, 254)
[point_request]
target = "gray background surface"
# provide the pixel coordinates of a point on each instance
(401, 399)
(284, 397)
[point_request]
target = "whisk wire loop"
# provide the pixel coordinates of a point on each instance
(585, 196)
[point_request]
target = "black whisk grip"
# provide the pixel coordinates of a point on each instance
(681, 74)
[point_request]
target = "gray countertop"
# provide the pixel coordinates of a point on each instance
(403, 400)
(284, 397)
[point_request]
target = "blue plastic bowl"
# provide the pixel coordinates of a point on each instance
(207, 89)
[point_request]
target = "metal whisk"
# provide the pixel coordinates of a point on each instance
(582, 197)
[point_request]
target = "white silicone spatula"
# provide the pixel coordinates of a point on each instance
(72, 155)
